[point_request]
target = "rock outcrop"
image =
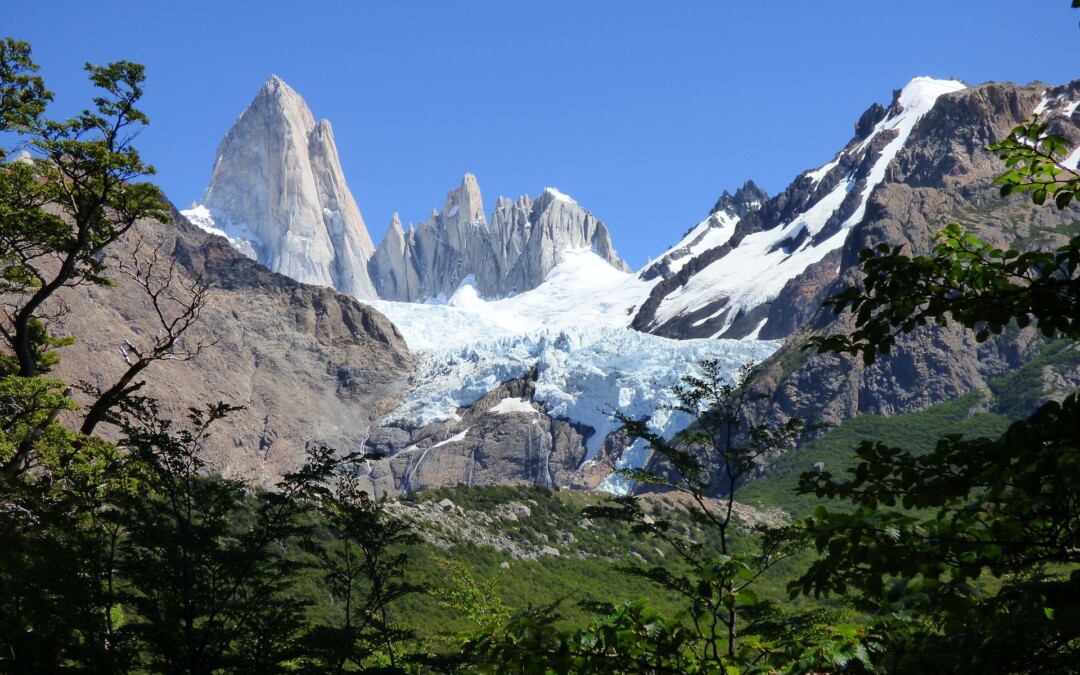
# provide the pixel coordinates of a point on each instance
(504, 438)
(526, 239)
(277, 185)
(703, 237)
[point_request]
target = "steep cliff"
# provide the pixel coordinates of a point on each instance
(308, 364)
(277, 190)
(527, 238)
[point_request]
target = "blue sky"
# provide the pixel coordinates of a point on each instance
(644, 112)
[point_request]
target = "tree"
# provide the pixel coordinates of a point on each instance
(977, 569)
(724, 627)
(133, 556)
(73, 193)
(63, 200)
(716, 454)
(204, 558)
(361, 554)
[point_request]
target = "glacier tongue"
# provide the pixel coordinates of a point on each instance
(582, 374)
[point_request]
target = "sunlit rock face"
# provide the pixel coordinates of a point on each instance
(525, 240)
(277, 184)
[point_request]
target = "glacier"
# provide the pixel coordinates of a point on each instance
(573, 331)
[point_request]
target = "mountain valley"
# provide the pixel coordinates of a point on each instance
(833, 427)
(539, 297)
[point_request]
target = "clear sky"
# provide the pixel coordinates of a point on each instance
(644, 112)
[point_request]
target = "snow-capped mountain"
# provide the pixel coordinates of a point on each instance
(278, 194)
(522, 338)
(739, 263)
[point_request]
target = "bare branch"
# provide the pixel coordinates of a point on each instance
(177, 302)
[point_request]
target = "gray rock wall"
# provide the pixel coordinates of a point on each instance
(526, 239)
(277, 172)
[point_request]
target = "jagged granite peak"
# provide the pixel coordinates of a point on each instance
(277, 185)
(748, 198)
(526, 239)
(395, 279)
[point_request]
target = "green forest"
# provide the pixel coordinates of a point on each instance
(947, 541)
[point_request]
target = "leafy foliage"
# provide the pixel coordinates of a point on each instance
(133, 556)
(723, 625)
(74, 192)
(966, 554)
(361, 555)
(976, 285)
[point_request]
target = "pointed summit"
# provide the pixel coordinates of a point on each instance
(464, 204)
(746, 199)
(523, 242)
(391, 270)
(273, 83)
(277, 184)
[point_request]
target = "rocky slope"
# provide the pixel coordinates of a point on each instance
(309, 365)
(943, 174)
(277, 191)
(736, 287)
(314, 366)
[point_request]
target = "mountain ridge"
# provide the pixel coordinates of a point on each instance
(277, 192)
(906, 166)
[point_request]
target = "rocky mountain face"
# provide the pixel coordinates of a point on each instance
(943, 174)
(703, 237)
(277, 190)
(315, 366)
(752, 278)
(278, 194)
(526, 239)
(309, 365)
(504, 437)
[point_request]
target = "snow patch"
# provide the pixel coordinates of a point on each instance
(456, 438)
(583, 290)
(513, 405)
(558, 196)
(714, 231)
(215, 222)
(817, 174)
